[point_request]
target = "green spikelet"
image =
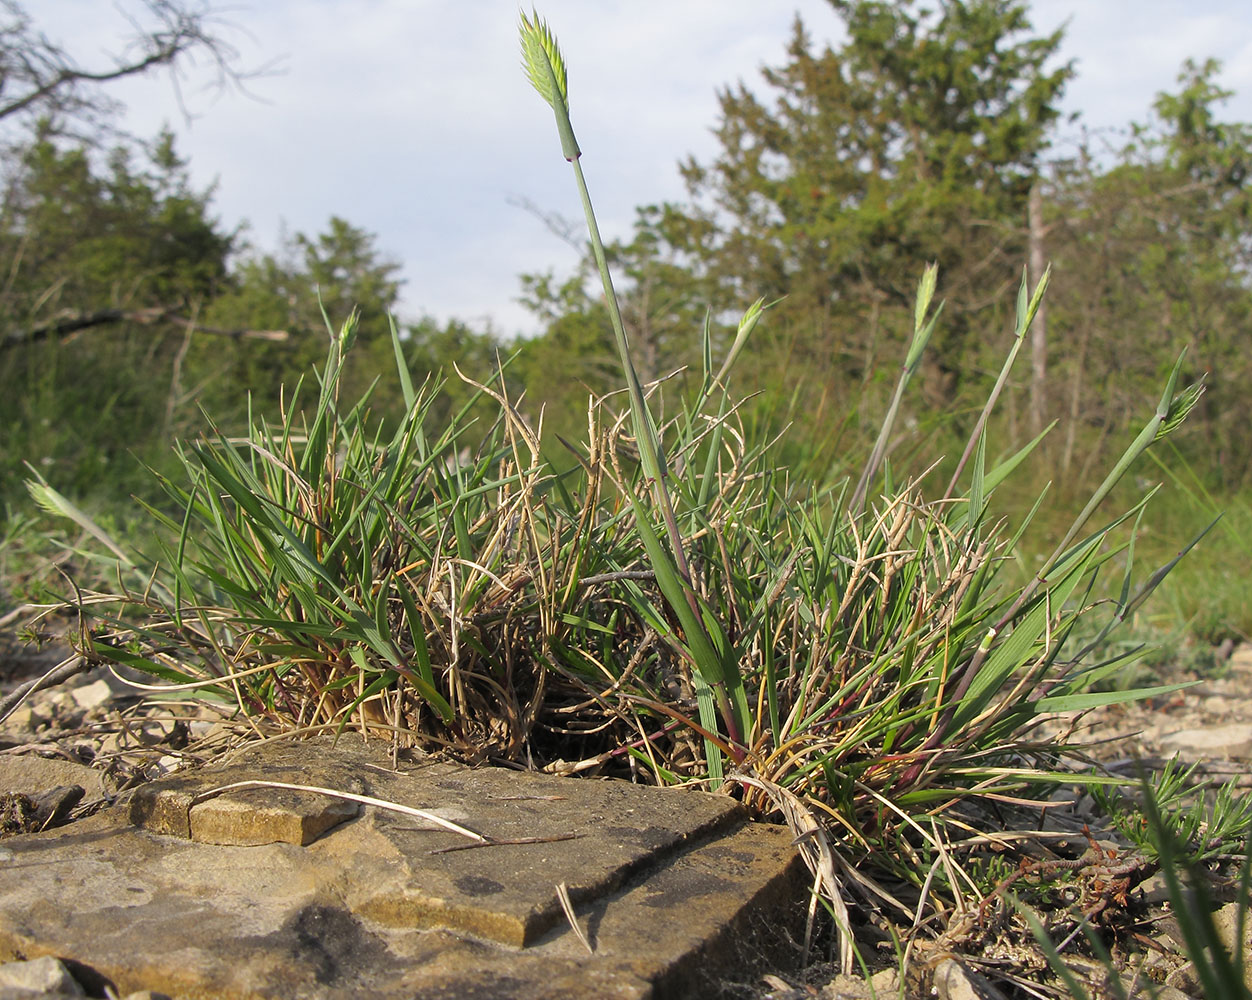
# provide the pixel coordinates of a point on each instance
(1182, 404)
(541, 58)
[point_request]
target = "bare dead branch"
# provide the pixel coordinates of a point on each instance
(66, 324)
(565, 230)
(39, 77)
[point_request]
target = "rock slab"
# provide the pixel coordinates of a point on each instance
(339, 898)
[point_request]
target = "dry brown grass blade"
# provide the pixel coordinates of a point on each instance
(367, 800)
(567, 904)
(814, 846)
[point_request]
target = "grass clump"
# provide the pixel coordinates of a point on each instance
(853, 656)
(324, 574)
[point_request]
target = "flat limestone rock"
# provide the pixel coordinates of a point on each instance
(281, 817)
(245, 817)
(27, 774)
(665, 884)
(1233, 741)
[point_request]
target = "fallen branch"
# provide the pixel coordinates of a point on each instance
(66, 324)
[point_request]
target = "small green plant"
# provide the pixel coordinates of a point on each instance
(1219, 968)
(1202, 822)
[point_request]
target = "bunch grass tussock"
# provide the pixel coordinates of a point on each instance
(444, 587)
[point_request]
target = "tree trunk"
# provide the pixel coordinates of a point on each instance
(1075, 396)
(1038, 330)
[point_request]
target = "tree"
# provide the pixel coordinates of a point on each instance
(41, 81)
(1150, 253)
(916, 141)
(77, 237)
(88, 242)
(344, 269)
(119, 286)
(80, 239)
(109, 255)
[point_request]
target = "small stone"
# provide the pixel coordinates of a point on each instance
(24, 719)
(31, 775)
(1185, 980)
(780, 989)
(884, 983)
(1232, 740)
(52, 808)
(143, 734)
(846, 988)
(1158, 964)
(1170, 932)
(40, 975)
(92, 695)
(110, 746)
(153, 732)
(1217, 705)
(1155, 889)
(953, 981)
(1226, 922)
(61, 706)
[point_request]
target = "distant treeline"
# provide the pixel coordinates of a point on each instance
(127, 309)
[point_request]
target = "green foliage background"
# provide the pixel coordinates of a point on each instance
(837, 180)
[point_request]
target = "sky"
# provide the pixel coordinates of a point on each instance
(412, 119)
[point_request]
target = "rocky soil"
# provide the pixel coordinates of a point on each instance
(111, 735)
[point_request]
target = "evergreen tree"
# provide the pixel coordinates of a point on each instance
(915, 141)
